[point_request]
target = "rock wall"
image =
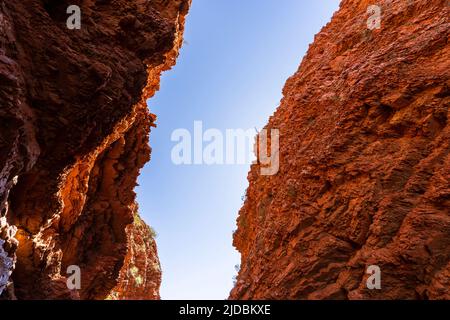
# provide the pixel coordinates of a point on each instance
(73, 136)
(141, 275)
(364, 165)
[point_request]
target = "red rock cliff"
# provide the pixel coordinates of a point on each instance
(73, 136)
(364, 165)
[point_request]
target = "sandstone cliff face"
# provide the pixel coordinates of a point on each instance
(73, 136)
(364, 165)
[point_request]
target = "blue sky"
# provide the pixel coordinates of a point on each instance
(230, 74)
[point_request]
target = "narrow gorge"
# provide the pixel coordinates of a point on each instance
(364, 171)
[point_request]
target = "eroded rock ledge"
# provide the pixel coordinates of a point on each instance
(73, 137)
(364, 165)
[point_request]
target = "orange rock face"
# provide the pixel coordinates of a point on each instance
(364, 165)
(140, 276)
(73, 137)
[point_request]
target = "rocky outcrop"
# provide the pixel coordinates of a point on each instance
(140, 276)
(8, 245)
(364, 165)
(73, 136)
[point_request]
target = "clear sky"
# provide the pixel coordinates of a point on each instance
(230, 74)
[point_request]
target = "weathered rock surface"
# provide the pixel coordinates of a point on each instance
(73, 136)
(364, 165)
(140, 277)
